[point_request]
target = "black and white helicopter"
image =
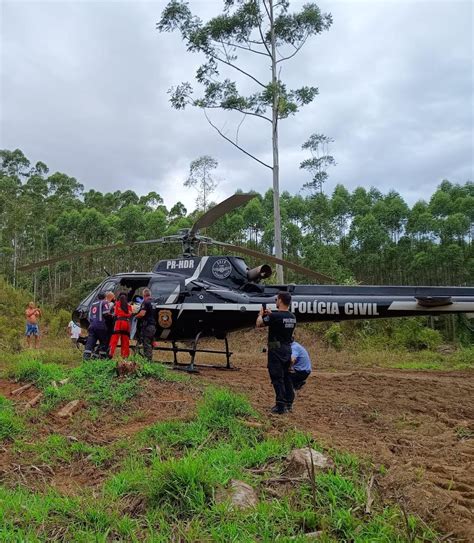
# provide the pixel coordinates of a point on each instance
(210, 296)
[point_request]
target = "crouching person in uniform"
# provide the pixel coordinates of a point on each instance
(281, 325)
(300, 365)
(148, 326)
(98, 331)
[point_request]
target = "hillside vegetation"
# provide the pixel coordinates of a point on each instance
(362, 235)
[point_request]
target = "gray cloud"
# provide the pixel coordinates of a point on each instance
(83, 88)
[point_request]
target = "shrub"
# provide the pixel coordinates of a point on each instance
(182, 485)
(59, 322)
(334, 337)
(413, 334)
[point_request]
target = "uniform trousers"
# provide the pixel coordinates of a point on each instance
(298, 378)
(97, 333)
(148, 336)
(279, 361)
(122, 332)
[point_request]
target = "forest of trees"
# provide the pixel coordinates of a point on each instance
(360, 235)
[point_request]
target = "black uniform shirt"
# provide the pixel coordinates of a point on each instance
(148, 318)
(281, 325)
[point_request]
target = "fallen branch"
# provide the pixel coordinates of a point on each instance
(69, 409)
(370, 498)
(20, 390)
(205, 442)
(285, 480)
(308, 535)
(35, 400)
(312, 477)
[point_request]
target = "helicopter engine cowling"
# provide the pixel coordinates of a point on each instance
(259, 273)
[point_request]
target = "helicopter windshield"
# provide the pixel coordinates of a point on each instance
(163, 289)
(240, 265)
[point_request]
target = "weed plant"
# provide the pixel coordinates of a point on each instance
(93, 381)
(10, 423)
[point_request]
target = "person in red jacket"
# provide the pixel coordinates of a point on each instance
(122, 314)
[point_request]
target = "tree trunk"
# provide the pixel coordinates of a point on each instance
(276, 165)
(15, 258)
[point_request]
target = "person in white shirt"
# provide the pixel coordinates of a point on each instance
(74, 332)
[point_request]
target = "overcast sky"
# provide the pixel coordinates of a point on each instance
(84, 89)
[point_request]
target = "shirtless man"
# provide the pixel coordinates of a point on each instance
(32, 314)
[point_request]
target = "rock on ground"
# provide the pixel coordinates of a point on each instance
(69, 409)
(299, 461)
(240, 494)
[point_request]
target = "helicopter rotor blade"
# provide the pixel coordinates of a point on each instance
(85, 252)
(296, 267)
(216, 212)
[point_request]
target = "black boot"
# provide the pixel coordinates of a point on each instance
(278, 410)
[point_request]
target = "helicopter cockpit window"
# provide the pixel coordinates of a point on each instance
(241, 266)
(162, 290)
(109, 285)
(131, 286)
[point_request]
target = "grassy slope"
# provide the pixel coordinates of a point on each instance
(161, 483)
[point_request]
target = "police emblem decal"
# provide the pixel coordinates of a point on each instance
(165, 319)
(221, 269)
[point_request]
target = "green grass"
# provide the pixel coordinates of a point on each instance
(463, 432)
(162, 483)
(180, 479)
(10, 423)
(463, 359)
(57, 449)
(94, 381)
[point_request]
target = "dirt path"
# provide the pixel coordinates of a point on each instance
(418, 425)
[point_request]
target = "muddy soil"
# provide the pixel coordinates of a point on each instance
(418, 425)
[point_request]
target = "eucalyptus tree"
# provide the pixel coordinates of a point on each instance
(247, 30)
(202, 179)
(318, 162)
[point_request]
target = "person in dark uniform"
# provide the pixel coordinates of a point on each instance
(109, 316)
(281, 324)
(148, 325)
(98, 331)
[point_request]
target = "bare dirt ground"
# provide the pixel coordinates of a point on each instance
(419, 425)
(416, 426)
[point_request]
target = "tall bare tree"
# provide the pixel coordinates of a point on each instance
(202, 179)
(264, 29)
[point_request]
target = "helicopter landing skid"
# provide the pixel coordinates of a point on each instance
(192, 351)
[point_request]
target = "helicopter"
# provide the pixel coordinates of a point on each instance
(210, 296)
